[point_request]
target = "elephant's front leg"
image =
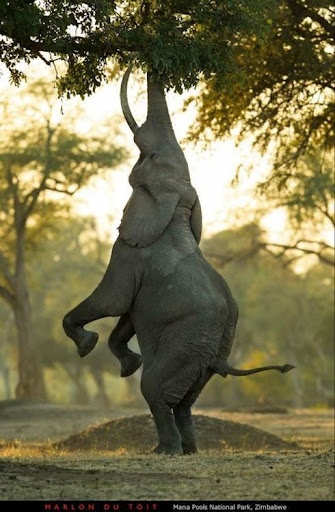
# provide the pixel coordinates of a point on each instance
(112, 297)
(74, 321)
(117, 342)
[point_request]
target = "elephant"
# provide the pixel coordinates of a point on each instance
(161, 286)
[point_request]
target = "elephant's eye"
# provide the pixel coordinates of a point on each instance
(152, 155)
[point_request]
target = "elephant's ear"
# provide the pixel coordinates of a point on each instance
(147, 214)
(196, 220)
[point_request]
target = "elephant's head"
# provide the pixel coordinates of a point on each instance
(155, 138)
(160, 177)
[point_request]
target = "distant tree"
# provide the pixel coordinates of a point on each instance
(7, 351)
(307, 193)
(284, 316)
(230, 245)
(179, 40)
(41, 160)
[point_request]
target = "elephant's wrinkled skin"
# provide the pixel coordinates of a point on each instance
(161, 285)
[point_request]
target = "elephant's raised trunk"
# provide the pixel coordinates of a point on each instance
(223, 368)
(157, 129)
(158, 114)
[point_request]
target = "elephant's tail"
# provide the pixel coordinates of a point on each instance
(223, 368)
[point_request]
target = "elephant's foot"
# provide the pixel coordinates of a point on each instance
(87, 343)
(167, 450)
(130, 363)
(189, 449)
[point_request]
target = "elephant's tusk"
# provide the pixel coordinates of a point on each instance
(124, 101)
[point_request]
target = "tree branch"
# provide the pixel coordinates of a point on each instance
(303, 11)
(304, 250)
(7, 296)
(71, 46)
(62, 190)
(33, 196)
(5, 270)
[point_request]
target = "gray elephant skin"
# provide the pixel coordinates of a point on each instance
(161, 286)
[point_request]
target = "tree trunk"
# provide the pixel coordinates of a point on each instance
(101, 397)
(31, 383)
(78, 392)
(4, 362)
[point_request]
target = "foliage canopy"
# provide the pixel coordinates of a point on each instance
(178, 40)
(286, 88)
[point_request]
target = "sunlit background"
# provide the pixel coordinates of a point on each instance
(228, 205)
(212, 170)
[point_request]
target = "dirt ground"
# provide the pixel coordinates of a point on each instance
(54, 452)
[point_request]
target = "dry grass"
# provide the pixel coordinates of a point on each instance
(32, 468)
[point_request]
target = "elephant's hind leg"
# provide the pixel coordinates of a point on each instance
(169, 439)
(183, 415)
(170, 386)
(168, 433)
(183, 419)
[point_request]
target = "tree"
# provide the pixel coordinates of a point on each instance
(285, 91)
(7, 350)
(307, 193)
(264, 68)
(40, 158)
(179, 40)
(283, 316)
(285, 101)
